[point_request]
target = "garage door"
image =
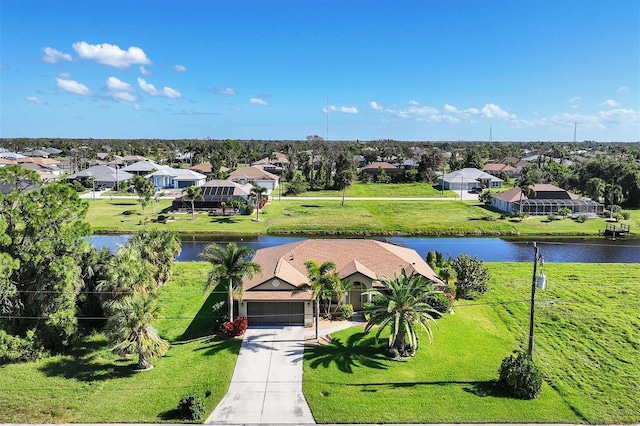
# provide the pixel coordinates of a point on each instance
(275, 313)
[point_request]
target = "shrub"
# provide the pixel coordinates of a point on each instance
(440, 302)
(190, 407)
(625, 215)
(249, 210)
(17, 349)
(129, 212)
(581, 219)
(618, 216)
(366, 308)
(472, 276)
(519, 377)
(232, 329)
(346, 310)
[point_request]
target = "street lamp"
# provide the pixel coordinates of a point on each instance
(538, 281)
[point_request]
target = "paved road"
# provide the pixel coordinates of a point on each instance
(266, 387)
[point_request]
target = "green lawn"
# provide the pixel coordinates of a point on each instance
(587, 344)
(361, 217)
(385, 190)
(91, 385)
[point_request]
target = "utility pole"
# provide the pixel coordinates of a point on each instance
(575, 131)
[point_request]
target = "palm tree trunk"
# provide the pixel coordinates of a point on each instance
(317, 317)
(143, 363)
(230, 301)
(193, 208)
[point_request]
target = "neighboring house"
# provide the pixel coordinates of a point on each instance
(548, 199)
(214, 193)
(53, 151)
(168, 177)
(469, 178)
(6, 162)
(206, 168)
(11, 155)
(359, 160)
(496, 169)
(132, 159)
(373, 168)
(36, 153)
(266, 165)
(104, 176)
(256, 177)
(273, 297)
(142, 168)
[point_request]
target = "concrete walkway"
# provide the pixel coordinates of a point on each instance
(266, 387)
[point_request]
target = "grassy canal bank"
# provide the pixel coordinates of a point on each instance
(304, 216)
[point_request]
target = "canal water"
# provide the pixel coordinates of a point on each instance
(565, 250)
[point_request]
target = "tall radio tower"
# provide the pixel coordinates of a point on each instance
(575, 130)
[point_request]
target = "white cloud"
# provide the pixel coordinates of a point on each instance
(346, 110)
(374, 105)
(52, 56)
(609, 103)
(111, 54)
(35, 100)
(150, 89)
(494, 111)
(72, 86)
(258, 101)
(451, 109)
(137, 107)
(574, 102)
(180, 68)
(623, 89)
(602, 120)
(65, 76)
(424, 113)
(119, 89)
(224, 90)
(414, 103)
(144, 71)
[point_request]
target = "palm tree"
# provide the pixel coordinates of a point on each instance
(229, 265)
(194, 193)
(596, 188)
(159, 247)
(614, 194)
(130, 331)
(322, 277)
(526, 188)
(258, 192)
(404, 305)
(341, 288)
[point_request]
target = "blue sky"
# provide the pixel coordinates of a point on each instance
(346, 70)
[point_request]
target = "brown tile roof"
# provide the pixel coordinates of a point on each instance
(6, 161)
(499, 167)
(277, 295)
(374, 259)
(252, 173)
(37, 160)
(375, 166)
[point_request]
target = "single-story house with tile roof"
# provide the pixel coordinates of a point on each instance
(546, 199)
(143, 167)
(215, 192)
(206, 168)
(373, 168)
(468, 178)
(168, 177)
(104, 176)
(256, 177)
(496, 169)
(131, 159)
(273, 296)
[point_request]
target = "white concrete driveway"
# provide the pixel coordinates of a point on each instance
(266, 387)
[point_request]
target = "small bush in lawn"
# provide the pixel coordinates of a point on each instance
(440, 302)
(190, 407)
(235, 328)
(519, 377)
(625, 215)
(129, 212)
(346, 310)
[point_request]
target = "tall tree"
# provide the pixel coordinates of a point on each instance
(471, 276)
(595, 188)
(258, 193)
(130, 331)
(159, 247)
(41, 240)
(230, 265)
(526, 189)
(193, 193)
(614, 196)
(404, 305)
(321, 277)
(145, 190)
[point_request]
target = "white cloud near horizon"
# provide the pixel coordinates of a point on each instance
(344, 109)
(150, 89)
(35, 100)
(574, 102)
(225, 91)
(609, 103)
(414, 103)
(53, 56)
(180, 68)
(72, 86)
(121, 90)
(258, 101)
(144, 71)
(375, 106)
(111, 54)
